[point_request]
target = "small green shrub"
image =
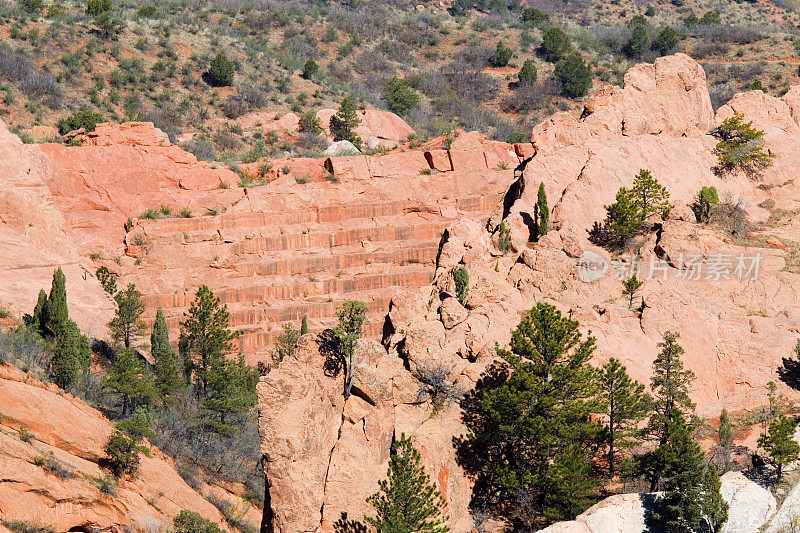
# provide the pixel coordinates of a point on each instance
(461, 278)
(221, 70)
(192, 522)
(107, 279)
(310, 69)
(25, 435)
(98, 7)
(85, 119)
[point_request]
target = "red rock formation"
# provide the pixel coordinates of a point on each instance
(75, 434)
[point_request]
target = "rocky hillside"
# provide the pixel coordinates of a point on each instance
(735, 328)
(51, 445)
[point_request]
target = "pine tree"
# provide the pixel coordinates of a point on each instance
(221, 70)
(544, 211)
(670, 385)
(167, 370)
(575, 75)
(707, 198)
(352, 319)
(407, 501)
(39, 319)
(725, 435)
(461, 281)
(131, 380)
(666, 41)
(528, 73)
(623, 218)
(740, 148)
(286, 343)
(530, 441)
(232, 391)
(649, 196)
(57, 312)
(626, 405)
(713, 507)
(71, 355)
(502, 55)
(779, 443)
(344, 123)
(555, 44)
(128, 323)
(630, 287)
(304, 325)
(205, 337)
(685, 503)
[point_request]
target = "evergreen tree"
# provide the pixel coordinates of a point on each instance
(666, 41)
(310, 123)
(779, 443)
(304, 325)
(221, 70)
(130, 379)
(713, 507)
(639, 43)
(670, 385)
(168, 379)
(205, 337)
(629, 288)
(685, 504)
(502, 55)
(39, 319)
(725, 435)
(310, 69)
(400, 96)
(707, 198)
(344, 123)
(352, 319)
(71, 355)
(192, 522)
(555, 44)
(128, 323)
(626, 404)
(528, 73)
(461, 281)
(232, 391)
(407, 501)
(57, 312)
(740, 148)
(286, 343)
(544, 211)
(649, 196)
(575, 75)
(530, 441)
(623, 220)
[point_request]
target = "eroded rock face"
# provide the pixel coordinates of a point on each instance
(732, 327)
(75, 434)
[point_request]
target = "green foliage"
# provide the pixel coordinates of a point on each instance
(122, 454)
(344, 123)
(310, 69)
(304, 325)
(710, 18)
(98, 7)
(34, 7)
(650, 197)
(670, 385)
(534, 16)
(310, 123)
(168, 379)
(757, 85)
(352, 319)
(286, 343)
(543, 211)
(461, 279)
(725, 436)
(400, 96)
(707, 199)
(127, 322)
(555, 44)
(85, 119)
(629, 288)
(71, 355)
(221, 70)
(39, 317)
(622, 217)
(108, 24)
(666, 41)
(779, 444)
(639, 43)
(407, 501)
(148, 11)
(502, 55)
(205, 338)
(232, 391)
(192, 522)
(528, 73)
(57, 311)
(626, 404)
(691, 495)
(530, 443)
(575, 75)
(740, 148)
(107, 279)
(129, 378)
(503, 238)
